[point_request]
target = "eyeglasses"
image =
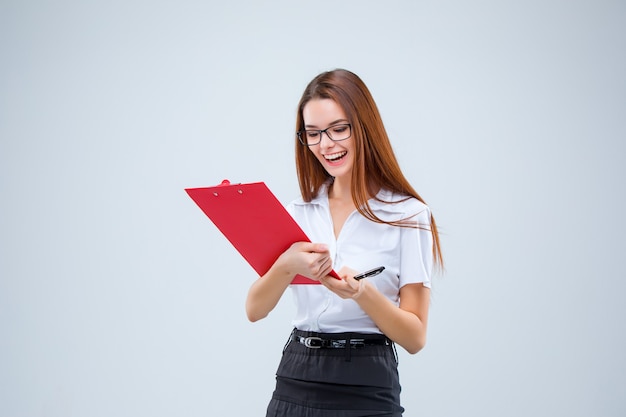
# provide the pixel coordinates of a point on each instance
(334, 133)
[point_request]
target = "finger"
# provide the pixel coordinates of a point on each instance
(318, 247)
(319, 268)
(323, 281)
(327, 266)
(345, 272)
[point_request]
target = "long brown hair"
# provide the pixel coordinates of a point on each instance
(374, 155)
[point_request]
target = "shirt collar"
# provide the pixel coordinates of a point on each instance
(380, 203)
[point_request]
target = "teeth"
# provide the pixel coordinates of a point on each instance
(334, 156)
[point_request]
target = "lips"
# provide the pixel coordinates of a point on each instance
(334, 157)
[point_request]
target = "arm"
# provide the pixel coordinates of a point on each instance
(405, 324)
(311, 260)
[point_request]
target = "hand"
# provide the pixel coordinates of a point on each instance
(347, 287)
(311, 260)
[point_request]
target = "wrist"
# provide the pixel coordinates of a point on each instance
(362, 284)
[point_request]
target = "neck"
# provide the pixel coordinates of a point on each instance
(340, 190)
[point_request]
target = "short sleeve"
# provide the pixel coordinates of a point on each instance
(416, 252)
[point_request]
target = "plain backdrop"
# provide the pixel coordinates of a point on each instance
(118, 297)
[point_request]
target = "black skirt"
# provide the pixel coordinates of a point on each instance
(356, 380)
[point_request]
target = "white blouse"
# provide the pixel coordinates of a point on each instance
(406, 254)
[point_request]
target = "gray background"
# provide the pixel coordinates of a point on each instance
(118, 297)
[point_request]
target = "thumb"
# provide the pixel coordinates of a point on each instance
(319, 247)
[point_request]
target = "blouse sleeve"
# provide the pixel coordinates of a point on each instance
(416, 256)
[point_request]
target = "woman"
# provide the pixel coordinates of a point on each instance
(361, 213)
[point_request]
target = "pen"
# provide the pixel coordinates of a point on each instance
(370, 273)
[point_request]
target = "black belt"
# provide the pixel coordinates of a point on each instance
(317, 342)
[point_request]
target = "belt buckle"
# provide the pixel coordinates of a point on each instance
(313, 342)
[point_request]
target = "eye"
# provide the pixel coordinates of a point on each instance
(340, 128)
(312, 134)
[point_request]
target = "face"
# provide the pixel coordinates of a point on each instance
(336, 157)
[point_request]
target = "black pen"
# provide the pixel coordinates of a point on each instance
(370, 273)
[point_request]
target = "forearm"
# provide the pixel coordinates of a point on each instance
(403, 327)
(311, 260)
(265, 293)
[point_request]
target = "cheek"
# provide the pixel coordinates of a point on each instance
(316, 153)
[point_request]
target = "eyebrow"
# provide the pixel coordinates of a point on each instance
(330, 124)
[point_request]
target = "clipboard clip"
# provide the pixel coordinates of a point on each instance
(226, 183)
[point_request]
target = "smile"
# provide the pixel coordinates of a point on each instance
(335, 156)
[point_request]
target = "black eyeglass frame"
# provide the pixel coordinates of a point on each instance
(303, 141)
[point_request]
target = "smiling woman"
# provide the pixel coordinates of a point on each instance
(360, 212)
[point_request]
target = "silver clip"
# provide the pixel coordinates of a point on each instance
(308, 342)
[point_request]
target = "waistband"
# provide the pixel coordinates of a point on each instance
(314, 340)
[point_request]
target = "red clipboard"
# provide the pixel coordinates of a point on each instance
(254, 221)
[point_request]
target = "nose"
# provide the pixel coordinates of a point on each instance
(326, 141)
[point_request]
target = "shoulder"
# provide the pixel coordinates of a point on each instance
(404, 205)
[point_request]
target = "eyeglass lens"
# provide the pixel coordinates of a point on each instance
(335, 133)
